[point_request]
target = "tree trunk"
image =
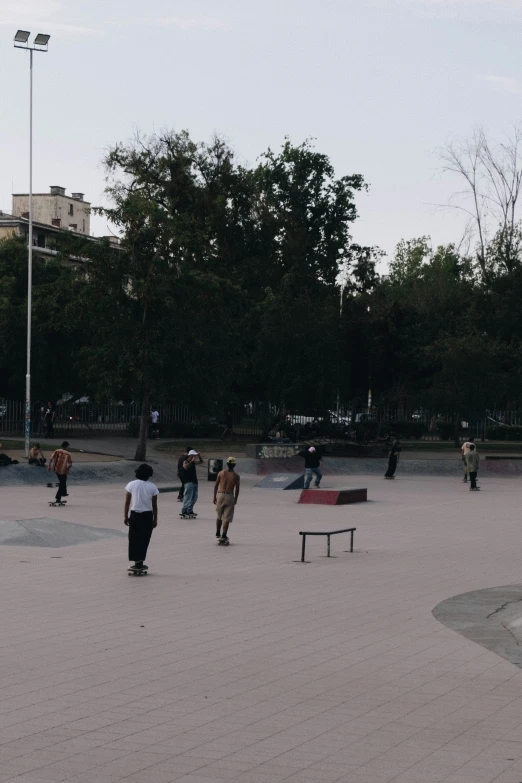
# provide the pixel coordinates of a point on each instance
(141, 448)
(457, 430)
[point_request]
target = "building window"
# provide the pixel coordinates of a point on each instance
(73, 226)
(25, 215)
(57, 222)
(71, 209)
(83, 225)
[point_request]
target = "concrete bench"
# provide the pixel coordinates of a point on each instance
(305, 533)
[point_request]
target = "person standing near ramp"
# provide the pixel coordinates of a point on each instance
(226, 493)
(393, 459)
(313, 461)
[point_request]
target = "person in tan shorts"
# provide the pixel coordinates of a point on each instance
(226, 493)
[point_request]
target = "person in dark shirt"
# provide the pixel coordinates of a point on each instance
(181, 473)
(312, 466)
(190, 494)
(393, 459)
(49, 417)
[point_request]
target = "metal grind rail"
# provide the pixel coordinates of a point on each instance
(305, 533)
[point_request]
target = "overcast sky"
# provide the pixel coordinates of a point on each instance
(380, 84)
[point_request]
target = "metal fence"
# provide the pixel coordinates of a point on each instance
(254, 420)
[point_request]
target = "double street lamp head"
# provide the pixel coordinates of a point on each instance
(39, 44)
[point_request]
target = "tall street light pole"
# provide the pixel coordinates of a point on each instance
(39, 44)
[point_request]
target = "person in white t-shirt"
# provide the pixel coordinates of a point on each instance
(154, 420)
(141, 498)
(465, 449)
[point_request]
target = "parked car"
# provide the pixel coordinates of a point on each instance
(365, 418)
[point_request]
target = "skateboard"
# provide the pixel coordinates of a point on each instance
(223, 542)
(57, 503)
(187, 516)
(137, 572)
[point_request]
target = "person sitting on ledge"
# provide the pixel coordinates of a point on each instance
(36, 456)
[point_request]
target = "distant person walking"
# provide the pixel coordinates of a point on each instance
(40, 418)
(190, 494)
(313, 461)
(36, 456)
(61, 463)
(141, 498)
(154, 419)
(465, 449)
(181, 472)
(228, 423)
(472, 466)
(49, 417)
(226, 493)
(393, 459)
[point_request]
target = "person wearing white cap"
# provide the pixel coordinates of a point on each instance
(190, 476)
(226, 493)
(313, 461)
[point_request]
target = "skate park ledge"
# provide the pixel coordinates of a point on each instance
(88, 473)
(333, 497)
(494, 465)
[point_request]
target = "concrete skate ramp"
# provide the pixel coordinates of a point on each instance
(490, 617)
(346, 466)
(282, 481)
(120, 472)
(54, 533)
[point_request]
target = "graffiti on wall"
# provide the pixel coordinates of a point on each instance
(277, 451)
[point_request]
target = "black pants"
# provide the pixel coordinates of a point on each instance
(49, 429)
(37, 461)
(140, 531)
(473, 479)
(62, 488)
(392, 466)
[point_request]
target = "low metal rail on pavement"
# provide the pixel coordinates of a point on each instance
(305, 533)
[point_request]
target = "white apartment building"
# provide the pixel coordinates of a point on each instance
(56, 209)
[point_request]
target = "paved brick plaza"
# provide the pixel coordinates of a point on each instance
(239, 664)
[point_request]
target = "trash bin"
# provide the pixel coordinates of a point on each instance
(214, 466)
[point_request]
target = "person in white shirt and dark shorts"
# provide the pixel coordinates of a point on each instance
(142, 499)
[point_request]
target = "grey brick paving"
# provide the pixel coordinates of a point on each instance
(238, 664)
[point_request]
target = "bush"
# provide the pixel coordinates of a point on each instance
(504, 433)
(366, 431)
(408, 430)
(446, 430)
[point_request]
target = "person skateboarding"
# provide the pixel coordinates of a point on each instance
(393, 459)
(313, 461)
(141, 499)
(472, 466)
(226, 493)
(464, 450)
(61, 463)
(181, 473)
(190, 494)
